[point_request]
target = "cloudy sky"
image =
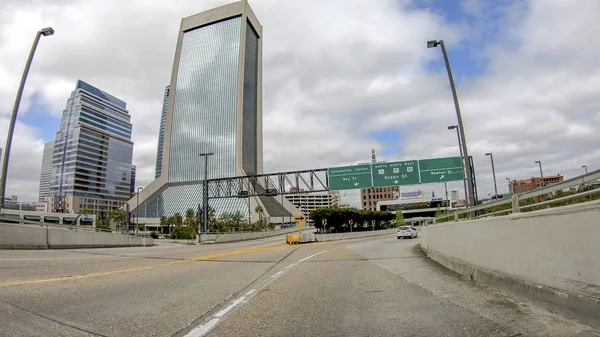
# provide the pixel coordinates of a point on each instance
(340, 77)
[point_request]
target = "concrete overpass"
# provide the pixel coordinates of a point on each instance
(516, 267)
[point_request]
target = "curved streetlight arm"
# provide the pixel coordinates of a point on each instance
(13, 119)
(471, 188)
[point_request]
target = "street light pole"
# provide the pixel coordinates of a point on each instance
(493, 173)
(205, 192)
(585, 167)
(13, 119)
(471, 194)
(541, 173)
(464, 160)
(137, 209)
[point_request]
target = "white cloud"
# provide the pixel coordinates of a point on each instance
(335, 74)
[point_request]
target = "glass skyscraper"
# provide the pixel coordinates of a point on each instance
(91, 162)
(46, 171)
(161, 135)
(213, 105)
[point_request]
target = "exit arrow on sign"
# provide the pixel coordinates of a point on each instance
(442, 177)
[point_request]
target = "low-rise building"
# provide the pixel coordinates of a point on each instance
(369, 197)
(525, 185)
(417, 207)
(13, 202)
(310, 201)
(41, 206)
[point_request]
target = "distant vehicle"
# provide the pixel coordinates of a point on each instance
(407, 232)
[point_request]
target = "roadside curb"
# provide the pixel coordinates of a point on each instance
(579, 307)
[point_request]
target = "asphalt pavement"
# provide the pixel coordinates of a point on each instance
(366, 287)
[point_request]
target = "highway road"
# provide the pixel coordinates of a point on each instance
(366, 287)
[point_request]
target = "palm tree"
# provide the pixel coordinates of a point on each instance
(190, 218)
(162, 223)
(118, 216)
(260, 211)
(236, 218)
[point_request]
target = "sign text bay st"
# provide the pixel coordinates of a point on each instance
(411, 172)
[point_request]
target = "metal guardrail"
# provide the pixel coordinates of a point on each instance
(573, 182)
(50, 224)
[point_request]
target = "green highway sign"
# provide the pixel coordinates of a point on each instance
(349, 177)
(411, 172)
(396, 173)
(440, 170)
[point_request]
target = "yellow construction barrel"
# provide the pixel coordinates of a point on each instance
(293, 238)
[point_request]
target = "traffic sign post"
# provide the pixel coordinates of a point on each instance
(396, 173)
(441, 170)
(349, 177)
(299, 218)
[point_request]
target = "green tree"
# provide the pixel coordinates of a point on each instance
(180, 232)
(102, 224)
(177, 220)
(338, 219)
(212, 217)
(400, 218)
(190, 218)
(236, 219)
(438, 213)
(260, 211)
(118, 217)
(162, 223)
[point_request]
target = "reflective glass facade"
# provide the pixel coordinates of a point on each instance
(93, 149)
(161, 134)
(249, 117)
(205, 117)
(46, 171)
(205, 102)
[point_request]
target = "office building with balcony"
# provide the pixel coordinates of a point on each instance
(214, 105)
(92, 156)
(310, 201)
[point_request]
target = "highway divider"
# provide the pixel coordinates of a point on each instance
(20, 236)
(353, 235)
(550, 257)
(244, 236)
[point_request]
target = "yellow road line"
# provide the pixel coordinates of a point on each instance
(113, 272)
(238, 251)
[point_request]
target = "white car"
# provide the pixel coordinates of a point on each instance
(407, 232)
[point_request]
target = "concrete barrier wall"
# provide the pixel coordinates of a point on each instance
(243, 236)
(13, 236)
(552, 256)
(343, 236)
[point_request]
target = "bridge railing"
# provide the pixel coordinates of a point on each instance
(33, 223)
(515, 201)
